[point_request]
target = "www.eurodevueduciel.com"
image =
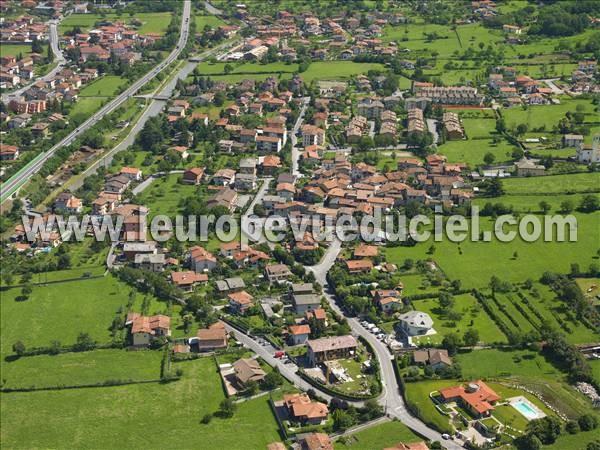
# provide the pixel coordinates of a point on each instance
(378, 227)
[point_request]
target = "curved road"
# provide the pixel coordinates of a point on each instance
(58, 56)
(12, 185)
(391, 399)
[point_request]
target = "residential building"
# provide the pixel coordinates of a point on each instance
(277, 272)
(329, 348)
(146, 328)
(306, 302)
(298, 334)
(415, 323)
(212, 338)
(528, 167)
(186, 280)
(240, 302)
(193, 175)
(434, 357)
(477, 397)
(201, 260)
(305, 411)
(247, 369)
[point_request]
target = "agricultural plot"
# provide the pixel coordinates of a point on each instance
(472, 152)
(210, 21)
(148, 22)
(85, 107)
(247, 68)
(525, 204)
(330, 70)
(494, 363)
(479, 128)
(15, 49)
(555, 184)
(165, 194)
(111, 416)
(74, 369)
(59, 312)
(106, 86)
(472, 317)
(547, 115)
(474, 263)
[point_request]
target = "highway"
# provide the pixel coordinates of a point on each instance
(12, 185)
(58, 57)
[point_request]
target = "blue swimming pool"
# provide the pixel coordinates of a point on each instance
(525, 408)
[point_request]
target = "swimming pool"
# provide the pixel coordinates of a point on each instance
(526, 408)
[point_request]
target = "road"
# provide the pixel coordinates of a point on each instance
(296, 150)
(391, 398)
(555, 89)
(58, 58)
(12, 185)
(210, 9)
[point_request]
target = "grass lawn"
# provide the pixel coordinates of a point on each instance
(479, 128)
(327, 70)
(472, 317)
(418, 395)
(574, 441)
(81, 368)
(474, 263)
(15, 49)
(61, 311)
(246, 68)
(595, 365)
(164, 194)
(547, 115)
(473, 151)
(211, 21)
(554, 184)
(106, 86)
(491, 363)
(137, 415)
(379, 436)
(525, 203)
(85, 107)
(151, 22)
(413, 284)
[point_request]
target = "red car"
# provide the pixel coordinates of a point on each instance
(279, 354)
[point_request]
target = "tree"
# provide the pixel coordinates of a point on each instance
(373, 409)
(500, 125)
(64, 261)
(589, 203)
(251, 387)
(342, 420)
(26, 290)
(544, 206)
(489, 158)
(451, 342)
(84, 342)
(227, 69)
(522, 129)
(273, 379)
(572, 427)
(494, 187)
(446, 300)
(587, 422)
(227, 407)
(567, 206)
(19, 348)
(471, 337)
(546, 429)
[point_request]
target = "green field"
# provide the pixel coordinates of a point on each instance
(418, 395)
(106, 86)
(211, 21)
(474, 263)
(555, 184)
(472, 317)
(14, 49)
(164, 195)
(60, 312)
(151, 22)
(72, 369)
(547, 115)
(85, 107)
(328, 70)
(473, 151)
(137, 415)
(506, 363)
(379, 436)
(479, 128)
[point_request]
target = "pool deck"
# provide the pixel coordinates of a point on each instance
(514, 400)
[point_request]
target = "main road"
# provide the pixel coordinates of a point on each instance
(58, 56)
(11, 186)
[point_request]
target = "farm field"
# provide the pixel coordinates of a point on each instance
(525, 204)
(106, 86)
(15, 49)
(474, 263)
(473, 151)
(246, 68)
(211, 21)
(85, 107)
(164, 195)
(472, 317)
(330, 70)
(60, 312)
(72, 369)
(493, 363)
(547, 115)
(379, 436)
(479, 128)
(150, 22)
(113, 416)
(554, 184)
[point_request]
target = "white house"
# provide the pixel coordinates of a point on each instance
(416, 323)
